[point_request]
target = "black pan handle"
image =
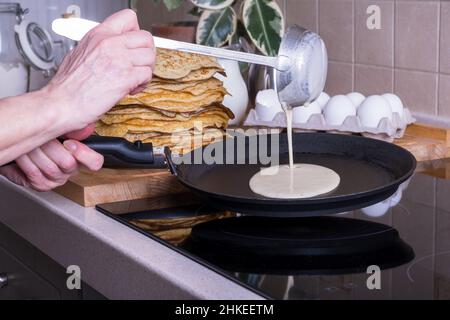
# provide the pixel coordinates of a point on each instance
(120, 153)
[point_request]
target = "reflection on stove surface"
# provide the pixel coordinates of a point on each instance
(312, 246)
(177, 230)
(406, 236)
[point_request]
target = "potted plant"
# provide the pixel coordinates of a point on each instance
(223, 22)
(179, 30)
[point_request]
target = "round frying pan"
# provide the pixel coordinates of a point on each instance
(370, 170)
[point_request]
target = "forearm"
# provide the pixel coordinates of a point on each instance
(28, 122)
(113, 60)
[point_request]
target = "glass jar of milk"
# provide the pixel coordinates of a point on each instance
(14, 73)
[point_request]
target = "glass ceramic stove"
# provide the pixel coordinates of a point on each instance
(406, 237)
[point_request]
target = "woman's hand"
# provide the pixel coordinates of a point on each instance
(111, 61)
(52, 165)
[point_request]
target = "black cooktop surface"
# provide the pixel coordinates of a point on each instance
(396, 249)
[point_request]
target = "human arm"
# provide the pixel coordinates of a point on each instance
(112, 60)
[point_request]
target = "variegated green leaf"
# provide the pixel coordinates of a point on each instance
(133, 4)
(212, 4)
(172, 4)
(264, 22)
(196, 11)
(216, 27)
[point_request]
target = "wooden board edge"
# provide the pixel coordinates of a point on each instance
(117, 192)
(73, 192)
(108, 177)
(430, 132)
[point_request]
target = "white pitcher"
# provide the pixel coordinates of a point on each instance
(238, 99)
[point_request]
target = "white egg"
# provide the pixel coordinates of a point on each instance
(395, 103)
(377, 210)
(404, 186)
(267, 105)
(373, 110)
(338, 109)
(302, 114)
(396, 198)
(357, 98)
(323, 99)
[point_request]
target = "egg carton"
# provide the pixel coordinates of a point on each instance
(387, 130)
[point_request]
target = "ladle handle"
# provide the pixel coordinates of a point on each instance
(218, 53)
(76, 29)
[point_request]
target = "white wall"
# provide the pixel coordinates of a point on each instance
(45, 11)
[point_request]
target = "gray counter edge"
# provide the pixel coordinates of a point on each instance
(115, 260)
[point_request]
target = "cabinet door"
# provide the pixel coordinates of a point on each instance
(21, 282)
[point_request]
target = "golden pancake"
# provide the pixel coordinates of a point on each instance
(183, 140)
(207, 115)
(143, 113)
(110, 130)
(148, 99)
(192, 105)
(187, 132)
(176, 64)
(181, 144)
(138, 109)
(133, 137)
(194, 88)
(196, 75)
(144, 126)
(151, 114)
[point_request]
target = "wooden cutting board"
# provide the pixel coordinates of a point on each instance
(108, 186)
(426, 142)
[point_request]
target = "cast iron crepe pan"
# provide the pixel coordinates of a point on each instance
(370, 170)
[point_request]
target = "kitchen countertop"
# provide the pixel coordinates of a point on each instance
(122, 263)
(117, 261)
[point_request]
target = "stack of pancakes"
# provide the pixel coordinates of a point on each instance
(180, 108)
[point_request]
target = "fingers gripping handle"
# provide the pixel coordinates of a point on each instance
(119, 153)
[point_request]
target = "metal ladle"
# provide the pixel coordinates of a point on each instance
(301, 65)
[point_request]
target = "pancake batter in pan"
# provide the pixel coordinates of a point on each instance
(295, 181)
